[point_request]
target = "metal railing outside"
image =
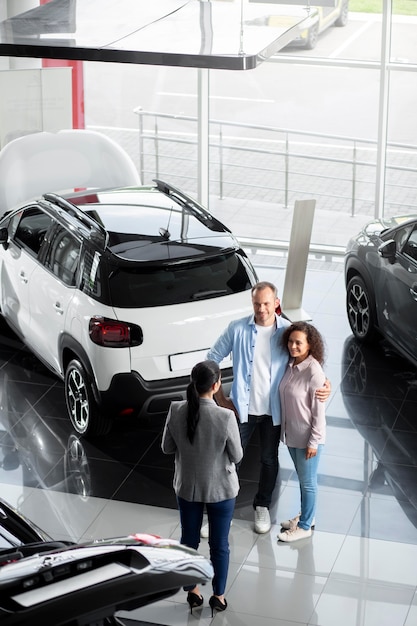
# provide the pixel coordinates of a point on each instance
(277, 165)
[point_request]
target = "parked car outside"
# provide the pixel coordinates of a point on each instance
(321, 18)
(381, 283)
(318, 19)
(55, 582)
(120, 292)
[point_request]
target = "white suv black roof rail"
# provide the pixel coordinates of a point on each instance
(98, 233)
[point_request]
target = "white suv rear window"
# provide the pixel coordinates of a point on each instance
(148, 287)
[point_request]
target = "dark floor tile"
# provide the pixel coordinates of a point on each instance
(106, 477)
(18, 398)
(123, 446)
(154, 457)
(407, 417)
(148, 485)
(24, 367)
(52, 404)
(367, 412)
(401, 448)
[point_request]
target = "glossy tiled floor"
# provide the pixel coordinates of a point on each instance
(360, 566)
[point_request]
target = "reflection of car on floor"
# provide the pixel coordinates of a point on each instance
(29, 443)
(373, 379)
(119, 291)
(381, 283)
(52, 583)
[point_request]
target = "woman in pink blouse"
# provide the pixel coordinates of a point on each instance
(303, 427)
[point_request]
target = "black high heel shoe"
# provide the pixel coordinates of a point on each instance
(217, 605)
(194, 600)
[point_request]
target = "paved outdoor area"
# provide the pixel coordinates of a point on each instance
(254, 210)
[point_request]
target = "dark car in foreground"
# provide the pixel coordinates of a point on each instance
(55, 582)
(381, 283)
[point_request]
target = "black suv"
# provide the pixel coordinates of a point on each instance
(381, 283)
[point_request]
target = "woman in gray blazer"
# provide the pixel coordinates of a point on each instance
(205, 440)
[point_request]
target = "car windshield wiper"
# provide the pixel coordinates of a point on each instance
(209, 292)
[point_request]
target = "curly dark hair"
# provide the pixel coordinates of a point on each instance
(314, 338)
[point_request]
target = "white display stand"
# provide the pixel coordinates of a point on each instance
(57, 162)
(292, 295)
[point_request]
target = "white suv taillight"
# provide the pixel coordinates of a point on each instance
(114, 334)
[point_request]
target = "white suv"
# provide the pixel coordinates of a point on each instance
(120, 292)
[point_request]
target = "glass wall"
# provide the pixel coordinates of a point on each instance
(306, 123)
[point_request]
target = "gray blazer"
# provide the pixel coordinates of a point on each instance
(205, 469)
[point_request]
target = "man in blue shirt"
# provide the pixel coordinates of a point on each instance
(259, 362)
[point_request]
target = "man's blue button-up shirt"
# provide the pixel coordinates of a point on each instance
(239, 340)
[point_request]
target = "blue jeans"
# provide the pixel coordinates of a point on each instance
(269, 436)
(219, 517)
(307, 476)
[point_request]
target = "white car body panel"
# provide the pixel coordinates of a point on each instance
(182, 329)
(49, 300)
(17, 269)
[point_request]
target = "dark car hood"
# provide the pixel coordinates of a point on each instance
(95, 580)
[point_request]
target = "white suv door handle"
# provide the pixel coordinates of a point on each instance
(23, 277)
(58, 308)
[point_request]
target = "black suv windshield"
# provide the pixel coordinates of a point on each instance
(148, 287)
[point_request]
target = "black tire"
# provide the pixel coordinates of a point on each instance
(360, 310)
(81, 405)
(342, 20)
(312, 36)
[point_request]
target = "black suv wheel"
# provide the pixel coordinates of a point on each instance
(82, 407)
(359, 309)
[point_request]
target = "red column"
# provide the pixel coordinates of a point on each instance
(78, 118)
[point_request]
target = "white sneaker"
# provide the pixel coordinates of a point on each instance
(262, 520)
(292, 523)
(294, 534)
(204, 530)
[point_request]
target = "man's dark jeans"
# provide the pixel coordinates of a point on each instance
(269, 437)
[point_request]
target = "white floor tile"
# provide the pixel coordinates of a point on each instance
(412, 615)
(122, 518)
(270, 593)
(362, 604)
(62, 515)
(364, 560)
(315, 555)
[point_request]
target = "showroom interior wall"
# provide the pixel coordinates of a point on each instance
(365, 92)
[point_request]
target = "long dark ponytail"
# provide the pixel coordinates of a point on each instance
(203, 376)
